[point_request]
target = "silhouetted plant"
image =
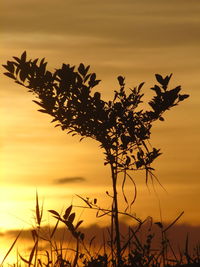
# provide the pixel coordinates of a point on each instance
(68, 220)
(122, 129)
(49, 247)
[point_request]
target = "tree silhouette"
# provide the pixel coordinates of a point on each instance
(122, 129)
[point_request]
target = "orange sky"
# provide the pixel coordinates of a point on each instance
(132, 38)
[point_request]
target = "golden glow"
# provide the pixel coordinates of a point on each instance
(134, 39)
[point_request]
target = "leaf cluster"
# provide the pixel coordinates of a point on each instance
(68, 220)
(121, 128)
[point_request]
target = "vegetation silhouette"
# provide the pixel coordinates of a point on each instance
(122, 129)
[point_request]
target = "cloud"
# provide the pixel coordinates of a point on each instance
(177, 234)
(130, 23)
(67, 180)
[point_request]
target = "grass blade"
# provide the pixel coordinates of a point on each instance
(169, 226)
(38, 212)
(13, 244)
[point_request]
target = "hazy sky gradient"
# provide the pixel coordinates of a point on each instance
(133, 38)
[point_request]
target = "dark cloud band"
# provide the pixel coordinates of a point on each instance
(67, 180)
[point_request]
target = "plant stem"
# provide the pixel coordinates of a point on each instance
(115, 213)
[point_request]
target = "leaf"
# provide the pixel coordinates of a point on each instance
(87, 77)
(170, 97)
(121, 80)
(42, 62)
(43, 111)
(67, 212)
(140, 86)
(58, 218)
(86, 69)
(93, 82)
(182, 97)
(34, 62)
(93, 77)
(85, 200)
(128, 160)
(32, 252)
(38, 103)
(82, 236)
(69, 226)
(166, 81)
(17, 59)
(159, 78)
(10, 75)
(21, 84)
(54, 229)
(42, 67)
(163, 81)
(161, 119)
(48, 75)
(23, 75)
(78, 224)
(97, 96)
(123, 185)
(34, 234)
(186, 246)
(9, 66)
(171, 224)
(23, 56)
(54, 212)
(139, 163)
(71, 217)
(13, 244)
(38, 212)
(157, 89)
(31, 255)
(24, 260)
(81, 69)
(55, 119)
(125, 140)
(92, 239)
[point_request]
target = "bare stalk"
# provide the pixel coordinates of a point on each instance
(115, 213)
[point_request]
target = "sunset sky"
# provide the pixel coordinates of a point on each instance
(136, 39)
